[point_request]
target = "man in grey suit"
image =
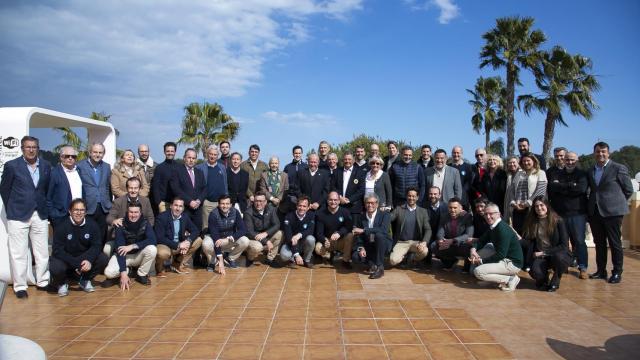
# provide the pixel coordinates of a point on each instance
(445, 177)
(95, 175)
(411, 230)
(455, 235)
(610, 188)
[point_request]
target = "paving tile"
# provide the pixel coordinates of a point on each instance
(360, 337)
(407, 352)
(120, 349)
(324, 352)
(448, 351)
(198, 350)
(365, 352)
(489, 351)
(155, 350)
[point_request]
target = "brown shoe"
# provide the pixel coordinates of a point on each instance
(583, 274)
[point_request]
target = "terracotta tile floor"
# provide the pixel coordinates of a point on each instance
(325, 313)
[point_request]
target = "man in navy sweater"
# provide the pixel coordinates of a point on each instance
(299, 227)
(333, 230)
(77, 250)
(215, 180)
(227, 233)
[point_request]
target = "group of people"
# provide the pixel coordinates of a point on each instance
(377, 211)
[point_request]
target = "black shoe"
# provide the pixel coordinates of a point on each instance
(107, 283)
(144, 280)
(378, 273)
(598, 275)
(615, 278)
(274, 264)
(347, 265)
(309, 264)
(371, 269)
(574, 262)
(232, 264)
(22, 294)
(49, 288)
(211, 267)
(552, 288)
(248, 263)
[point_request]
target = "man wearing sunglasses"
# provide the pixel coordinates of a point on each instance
(65, 184)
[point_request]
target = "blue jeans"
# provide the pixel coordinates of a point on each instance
(576, 227)
(308, 245)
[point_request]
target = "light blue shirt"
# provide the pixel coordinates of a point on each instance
(35, 173)
(176, 229)
(599, 170)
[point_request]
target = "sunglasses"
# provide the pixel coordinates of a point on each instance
(69, 156)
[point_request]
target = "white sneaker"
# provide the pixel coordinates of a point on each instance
(87, 286)
(63, 290)
(511, 285)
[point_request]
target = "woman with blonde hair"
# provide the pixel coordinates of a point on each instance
(379, 183)
(494, 182)
(125, 169)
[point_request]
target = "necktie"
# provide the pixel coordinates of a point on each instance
(193, 179)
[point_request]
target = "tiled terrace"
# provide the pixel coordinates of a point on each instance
(326, 313)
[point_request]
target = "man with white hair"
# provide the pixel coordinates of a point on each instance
(501, 261)
(65, 185)
(215, 180)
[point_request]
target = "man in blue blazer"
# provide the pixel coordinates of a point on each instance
(189, 184)
(610, 187)
(65, 185)
(23, 189)
(349, 182)
(177, 237)
(95, 175)
(372, 231)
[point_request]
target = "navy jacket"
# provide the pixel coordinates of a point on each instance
(381, 225)
(161, 183)
(75, 243)
(19, 196)
(293, 226)
(94, 193)
(355, 188)
(164, 229)
(147, 239)
(59, 193)
(182, 187)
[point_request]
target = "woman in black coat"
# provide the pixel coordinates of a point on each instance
(547, 236)
(494, 182)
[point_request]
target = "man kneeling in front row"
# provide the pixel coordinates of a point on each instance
(76, 251)
(135, 247)
(177, 237)
(502, 263)
(263, 230)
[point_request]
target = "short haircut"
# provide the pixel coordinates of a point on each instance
(373, 196)
(492, 206)
(405, 148)
(254, 147)
(376, 159)
(425, 146)
(235, 153)
(435, 187)
(133, 179)
(224, 142)
(455, 199)
(359, 147)
(302, 198)
(190, 149)
(296, 148)
(95, 144)
(177, 198)
(440, 151)
(523, 139)
(411, 188)
(77, 201)
(481, 200)
(131, 204)
(212, 147)
(223, 197)
(29, 138)
(558, 149)
(260, 193)
(392, 142)
(169, 143)
(601, 145)
(348, 152)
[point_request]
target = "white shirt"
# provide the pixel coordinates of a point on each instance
(438, 178)
(75, 184)
(495, 224)
(313, 173)
(372, 218)
(345, 180)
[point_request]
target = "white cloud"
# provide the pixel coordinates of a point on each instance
(448, 9)
(139, 60)
(301, 119)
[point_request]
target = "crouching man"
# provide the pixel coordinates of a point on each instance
(263, 228)
(135, 247)
(299, 226)
(177, 237)
(77, 250)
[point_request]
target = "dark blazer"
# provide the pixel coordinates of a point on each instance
(381, 224)
(238, 185)
(59, 193)
(463, 231)
(96, 192)
(466, 180)
(165, 232)
(19, 196)
(382, 188)
(182, 187)
(611, 195)
(355, 188)
(494, 188)
(422, 223)
(559, 245)
(434, 217)
(315, 187)
(451, 186)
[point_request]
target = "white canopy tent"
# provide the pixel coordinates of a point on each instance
(14, 124)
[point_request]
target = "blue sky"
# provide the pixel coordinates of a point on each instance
(298, 71)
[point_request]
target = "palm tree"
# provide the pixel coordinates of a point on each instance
(205, 124)
(487, 106)
(512, 45)
(563, 80)
(70, 137)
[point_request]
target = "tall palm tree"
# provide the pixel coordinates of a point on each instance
(70, 137)
(511, 45)
(563, 80)
(205, 124)
(487, 106)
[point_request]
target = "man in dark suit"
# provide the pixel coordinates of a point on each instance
(161, 192)
(437, 210)
(610, 187)
(95, 175)
(455, 235)
(361, 159)
(238, 182)
(446, 178)
(180, 245)
(65, 185)
(294, 167)
(372, 236)
(314, 182)
(23, 189)
(466, 175)
(411, 230)
(349, 182)
(190, 186)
